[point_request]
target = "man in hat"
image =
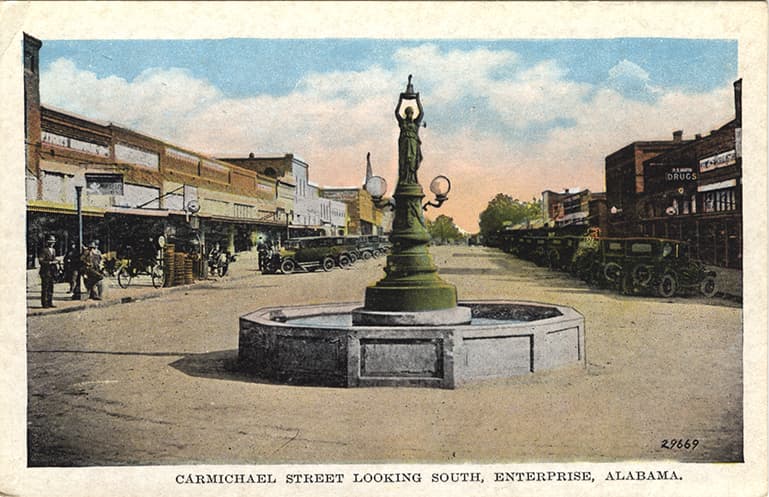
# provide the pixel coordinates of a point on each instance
(47, 258)
(92, 261)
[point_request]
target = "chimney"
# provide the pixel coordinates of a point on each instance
(738, 101)
(677, 135)
(698, 136)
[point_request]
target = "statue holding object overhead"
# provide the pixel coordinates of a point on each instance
(409, 144)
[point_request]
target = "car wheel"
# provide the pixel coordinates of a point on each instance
(288, 266)
(327, 264)
(667, 286)
(353, 258)
(612, 271)
(366, 255)
(709, 287)
(642, 274)
(376, 254)
(344, 261)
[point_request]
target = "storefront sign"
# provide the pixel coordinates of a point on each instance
(677, 174)
(124, 153)
(104, 184)
(715, 161)
(717, 186)
(72, 143)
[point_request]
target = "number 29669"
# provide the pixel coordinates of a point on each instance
(680, 444)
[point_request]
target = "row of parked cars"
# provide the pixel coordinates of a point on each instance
(325, 252)
(632, 266)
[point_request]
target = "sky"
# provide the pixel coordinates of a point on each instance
(503, 116)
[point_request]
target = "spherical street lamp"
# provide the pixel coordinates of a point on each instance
(440, 186)
(376, 186)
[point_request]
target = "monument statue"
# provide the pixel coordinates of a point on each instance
(409, 144)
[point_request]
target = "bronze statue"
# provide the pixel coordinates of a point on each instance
(409, 144)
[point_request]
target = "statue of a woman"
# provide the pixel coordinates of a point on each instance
(409, 144)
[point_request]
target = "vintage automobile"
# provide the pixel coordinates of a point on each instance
(371, 246)
(311, 253)
(585, 258)
(560, 251)
(656, 266)
(663, 267)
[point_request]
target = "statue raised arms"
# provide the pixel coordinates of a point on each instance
(409, 144)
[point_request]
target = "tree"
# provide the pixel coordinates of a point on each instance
(443, 229)
(504, 210)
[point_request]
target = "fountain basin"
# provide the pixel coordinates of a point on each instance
(318, 345)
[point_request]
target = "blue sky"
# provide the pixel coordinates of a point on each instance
(233, 64)
(512, 116)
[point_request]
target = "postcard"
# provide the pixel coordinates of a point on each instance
(384, 248)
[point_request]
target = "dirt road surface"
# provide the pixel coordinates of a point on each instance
(154, 382)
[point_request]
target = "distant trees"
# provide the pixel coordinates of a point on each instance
(443, 229)
(504, 210)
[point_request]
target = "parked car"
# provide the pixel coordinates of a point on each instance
(663, 267)
(372, 246)
(311, 253)
(655, 266)
(560, 251)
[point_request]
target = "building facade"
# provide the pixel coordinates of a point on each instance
(691, 191)
(363, 217)
(695, 194)
(625, 181)
(136, 187)
(308, 212)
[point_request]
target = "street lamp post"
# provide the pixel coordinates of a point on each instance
(79, 182)
(411, 291)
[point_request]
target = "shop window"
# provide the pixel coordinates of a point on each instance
(720, 200)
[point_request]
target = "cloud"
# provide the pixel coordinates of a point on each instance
(632, 81)
(494, 124)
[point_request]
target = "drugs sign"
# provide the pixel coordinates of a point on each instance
(679, 174)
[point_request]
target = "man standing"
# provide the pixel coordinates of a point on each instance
(92, 261)
(47, 258)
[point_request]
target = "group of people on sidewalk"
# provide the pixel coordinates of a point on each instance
(85, 263)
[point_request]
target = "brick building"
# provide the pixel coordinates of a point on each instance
(308, 212)
(363, 217)
(689, 190)
(625, 181)
(695, 193)
(151, 183)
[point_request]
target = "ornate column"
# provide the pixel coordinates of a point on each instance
(411, 293)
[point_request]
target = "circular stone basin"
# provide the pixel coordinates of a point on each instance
(318, 345)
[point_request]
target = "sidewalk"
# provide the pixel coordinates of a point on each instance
(141, 288)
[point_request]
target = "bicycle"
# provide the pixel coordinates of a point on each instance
(127, 269)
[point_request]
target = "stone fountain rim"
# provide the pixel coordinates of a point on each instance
(262, 316)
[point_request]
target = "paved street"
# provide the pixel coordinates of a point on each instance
(152, 381)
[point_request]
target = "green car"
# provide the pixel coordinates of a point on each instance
(311, 253)
(655, 266)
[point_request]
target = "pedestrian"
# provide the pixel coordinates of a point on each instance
(94, 279)
(263, 253)
(71, 266)
(47, 258)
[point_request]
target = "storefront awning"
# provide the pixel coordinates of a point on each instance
(56, 208)
(131, 211)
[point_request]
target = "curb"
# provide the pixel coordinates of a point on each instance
(91, 304)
